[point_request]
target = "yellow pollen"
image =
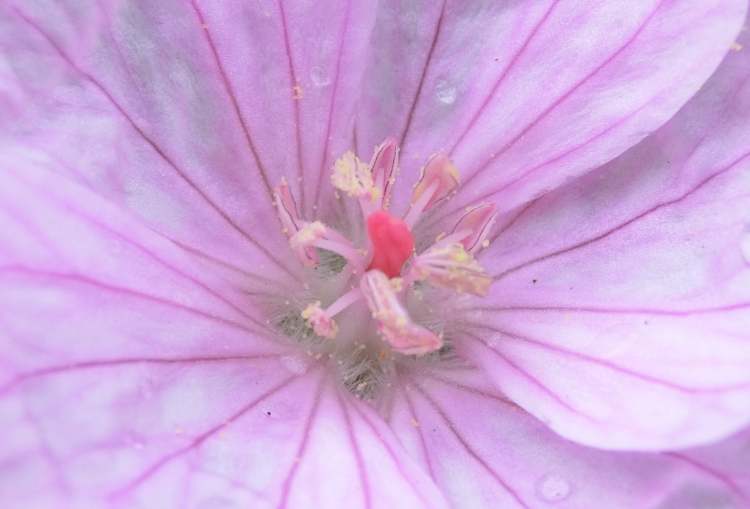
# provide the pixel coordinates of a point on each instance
(397, 284)
(453, 267)
(308, 234)
(354, 177)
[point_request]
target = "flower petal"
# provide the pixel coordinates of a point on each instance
(621, 307)
(523, 95)
(184, 111)
(484, 451)
(129, 378)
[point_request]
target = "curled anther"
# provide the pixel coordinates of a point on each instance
(474, 226)
(451, 266)
(394, 323)
(354, 177)
(321, 322)
(437, 181)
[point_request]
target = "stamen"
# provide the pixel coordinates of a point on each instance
(384, 166)
(392, 242)
(291, 224)
(474, 227)
(316, 234)
(394, 323)
(354, 177)
(451, 266)
(439, 178)
(321, 320)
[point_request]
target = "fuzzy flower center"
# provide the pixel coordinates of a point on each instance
(384, 271)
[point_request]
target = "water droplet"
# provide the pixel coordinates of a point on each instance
(295, 364)
(445, 92)
(553, 488)
(319, 77)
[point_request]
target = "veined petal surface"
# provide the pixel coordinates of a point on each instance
(189, 112)
(525, 95)
(621, 306)
(485, 451)
(128, 378)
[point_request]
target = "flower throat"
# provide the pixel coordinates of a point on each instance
(382, 272)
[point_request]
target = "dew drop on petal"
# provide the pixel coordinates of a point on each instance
(295, 364)
(319, 77)
(445, 92)
(553, 488)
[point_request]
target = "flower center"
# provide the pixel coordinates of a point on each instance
(382, 274)
(392, 243)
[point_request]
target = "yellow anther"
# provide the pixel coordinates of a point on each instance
(354, 177)
(451, 266)
(308, 234)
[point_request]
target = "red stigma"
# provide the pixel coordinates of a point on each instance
(392, 242)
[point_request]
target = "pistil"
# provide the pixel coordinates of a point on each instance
(392, 242)
(376, 269)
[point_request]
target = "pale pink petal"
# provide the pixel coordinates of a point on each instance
(621, 306)
(522, 95)
(484, 451)
(185, 112)
(130, 379)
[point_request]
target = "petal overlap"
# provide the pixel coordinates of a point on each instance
(486, 451)
(620, 306)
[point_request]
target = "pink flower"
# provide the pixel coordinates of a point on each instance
(224, 281)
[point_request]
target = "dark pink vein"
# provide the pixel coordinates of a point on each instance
(161, 153)
(192, 249)
(526, 173)
(357, 455)
(617, 368)
(223, 263)
(233, 100)
(334, 90)
(531, 379)
(84, 280)
(200, 439)
(294, 83)
(720, 476)
(503, 75)
(472, 390)
(397, 462)
(472, 452)
(709, 130)
(143, 249)
(105, 363)
(620, 311)
(289, 480)
(560, 100)
(629, 222)
(423, 76)
(514, 220)
(418, 427)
